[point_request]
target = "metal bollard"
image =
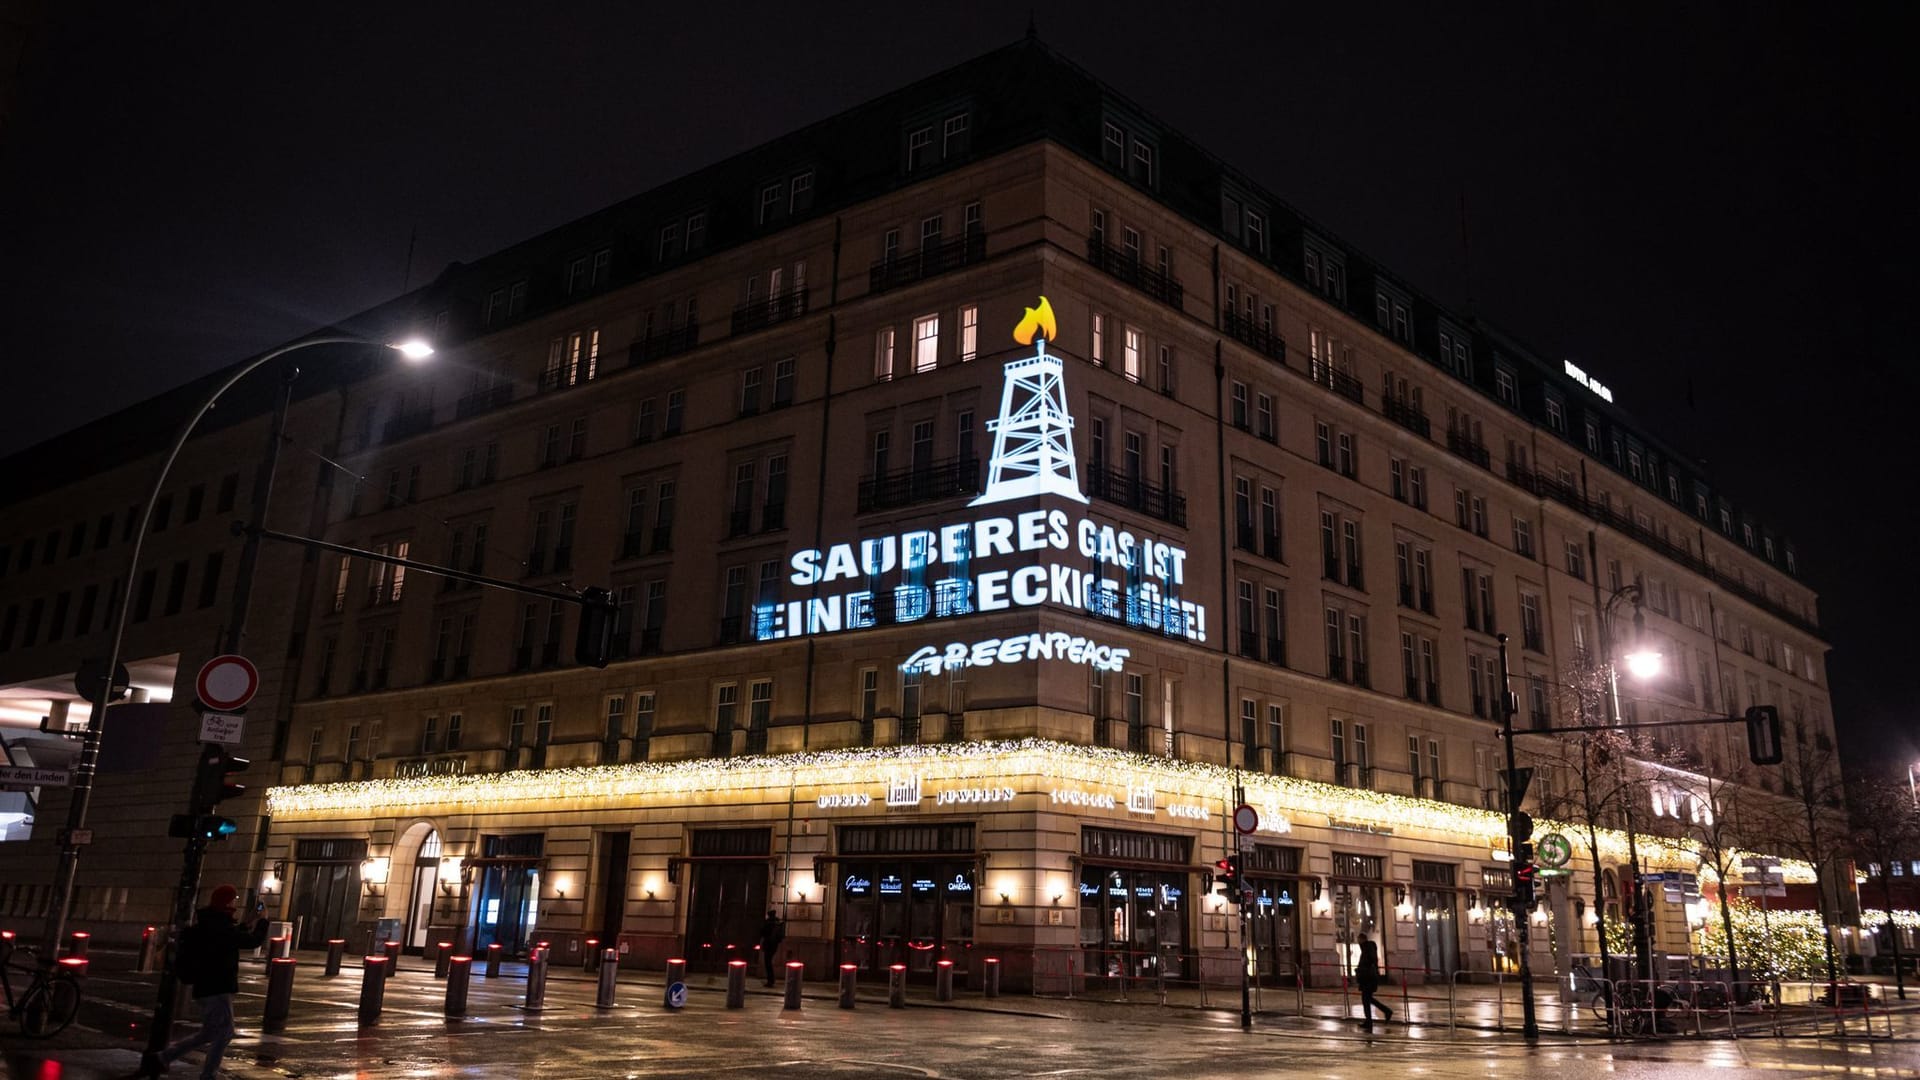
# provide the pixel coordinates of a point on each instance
(459, 970)
(849, 974)
(442, 957)
(609, 977)
(896, 986)
(590, 961)
(279, 992)
(336, 951)
(794, 970)
(392, 949)
(493, 960)
(677, 973)
(149, 940)
(943, 981)
(77, 944)
(993, 976)
(537, 981)
(736, 984)
(373, 989)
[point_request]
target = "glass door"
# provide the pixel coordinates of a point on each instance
(1273, 928)
(1436, 934)
(426, 878)
(506, 910)
(326, 898)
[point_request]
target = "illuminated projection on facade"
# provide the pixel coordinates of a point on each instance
(1045, 556)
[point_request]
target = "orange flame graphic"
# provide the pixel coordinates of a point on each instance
(1037, 320)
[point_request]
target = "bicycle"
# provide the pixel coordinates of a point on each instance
(50, 1001)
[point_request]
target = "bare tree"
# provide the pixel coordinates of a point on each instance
(1886, 831)
(1717, 823)
(1810, 820)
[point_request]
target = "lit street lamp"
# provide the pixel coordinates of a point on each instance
(87, 761)
(1643, 664)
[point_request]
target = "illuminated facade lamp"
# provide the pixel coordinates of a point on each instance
(373, 874)
(1645, 664)
(452, 869)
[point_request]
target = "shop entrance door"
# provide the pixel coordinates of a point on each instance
(325, 899)
(1273, 928)
(724, 913)
(507, 907)
(911, 913)
(1436, 934)
(1132, 926)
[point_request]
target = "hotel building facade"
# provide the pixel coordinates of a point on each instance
(939, 642)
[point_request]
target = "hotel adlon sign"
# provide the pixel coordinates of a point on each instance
(1051, 555)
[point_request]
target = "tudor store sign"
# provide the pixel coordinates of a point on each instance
(1052, 557)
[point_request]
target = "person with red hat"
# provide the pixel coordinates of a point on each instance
(208, 958)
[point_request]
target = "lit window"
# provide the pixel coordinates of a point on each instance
(926, 343)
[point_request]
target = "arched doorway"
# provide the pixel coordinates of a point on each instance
(416, 862)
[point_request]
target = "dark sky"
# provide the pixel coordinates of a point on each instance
(1719, 197)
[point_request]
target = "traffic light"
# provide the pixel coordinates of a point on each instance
(1226, 876)
(1763, 735)
(599, 611)
(213, 784)
(1525, 876)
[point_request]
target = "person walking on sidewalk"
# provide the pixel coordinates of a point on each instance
(772, 933)
(1366, 975)
(208, 958)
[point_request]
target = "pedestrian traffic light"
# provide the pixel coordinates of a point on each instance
(1525, 876)
(599, 611)
(1763, 735)
(212, 785)
(1226, 876)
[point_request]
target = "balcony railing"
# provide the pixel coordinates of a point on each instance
(760, 314)
(1250, 644)
(739, 522)
(406, 424)
(483, 401)
(910, 486)
(663, 344)
(1354, 775)
(1568, 495)
(1402, 412)
(1462, 445)
(1128, 268)
(1336, 380)
(1248, 333)
(732, 630)
(1277, 651)
(1136, 494)
(929, 261)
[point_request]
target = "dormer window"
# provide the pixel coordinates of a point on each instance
(1113, 145)
(771, 197)
(919, 148)
(800, 192)
(956, 134)
(1142, 168)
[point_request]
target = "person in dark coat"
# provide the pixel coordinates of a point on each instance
(772, 933)
(1366, 975)
(215, 941)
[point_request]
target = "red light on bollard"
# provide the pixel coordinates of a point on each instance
(896, 967)
(730, 963)
(849, 967)
(791, 964)
(74, 963)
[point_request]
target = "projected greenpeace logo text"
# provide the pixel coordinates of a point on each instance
(1051, 557)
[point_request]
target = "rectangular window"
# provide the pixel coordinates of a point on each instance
(926, 343)
(883, 354)
(1133, 357)
(969, 333)
(919, 147)
(1099, 353)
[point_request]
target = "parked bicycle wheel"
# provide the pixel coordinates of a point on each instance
(49, 1006)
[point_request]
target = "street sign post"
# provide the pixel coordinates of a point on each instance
(221, 728)
(1245, 819)
(28, 776)
(227, 682)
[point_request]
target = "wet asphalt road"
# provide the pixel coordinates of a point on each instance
(1043, 1038)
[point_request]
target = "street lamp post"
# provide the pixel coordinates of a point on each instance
(1641, 664)
(103, 695)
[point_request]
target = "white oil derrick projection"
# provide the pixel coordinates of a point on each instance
(1033, 436)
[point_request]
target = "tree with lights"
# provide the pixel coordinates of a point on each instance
(1810, 822)
(1886, 831)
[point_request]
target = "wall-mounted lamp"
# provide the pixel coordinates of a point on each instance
(1399, 894)
(561, 883)
(373, 874)
(269, 884)
(1402, 909)
(1006, 898)
(1056, 899)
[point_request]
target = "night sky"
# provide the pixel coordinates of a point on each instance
(1712, 209)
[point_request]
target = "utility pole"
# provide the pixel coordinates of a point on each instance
(1520, 829)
